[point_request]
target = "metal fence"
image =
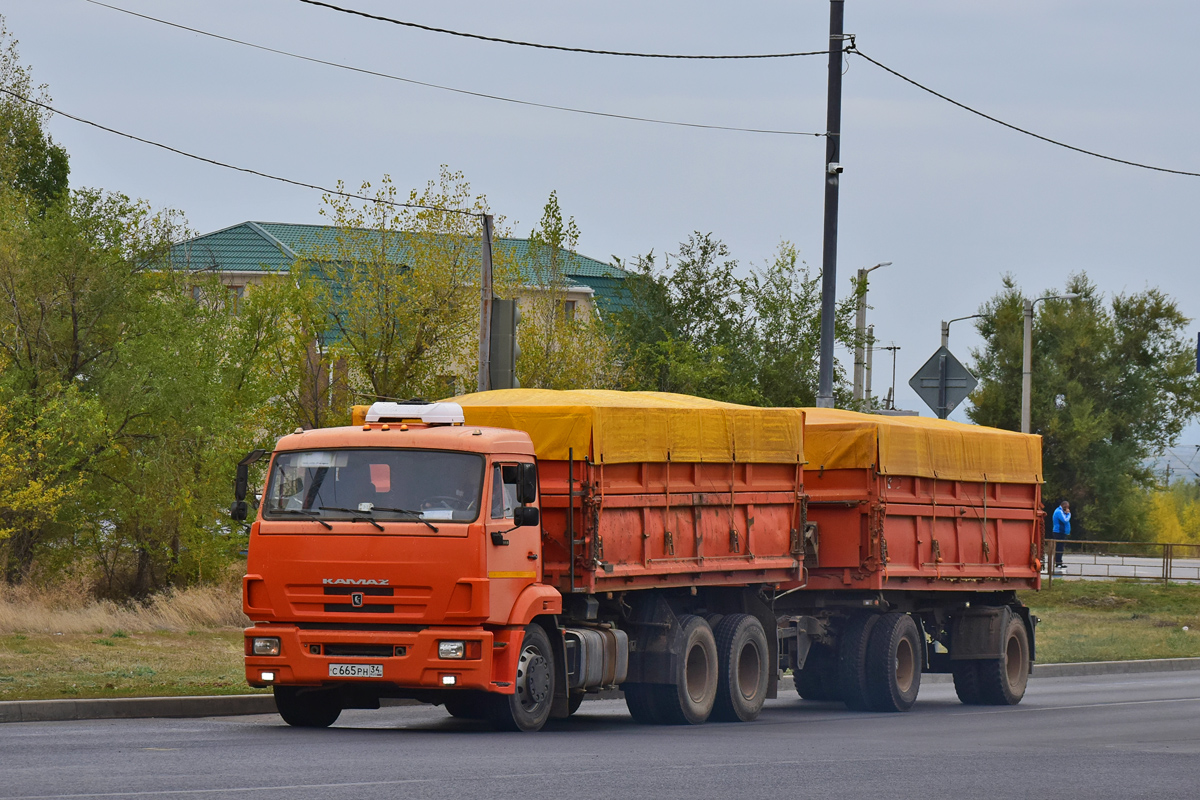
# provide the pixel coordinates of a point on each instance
(1164, 562)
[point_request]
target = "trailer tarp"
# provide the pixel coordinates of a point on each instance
(920, 446)
(623, 427)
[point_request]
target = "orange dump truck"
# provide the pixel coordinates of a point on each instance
(508, 552)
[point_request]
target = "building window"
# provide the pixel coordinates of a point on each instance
(236, 293)
(569, 310)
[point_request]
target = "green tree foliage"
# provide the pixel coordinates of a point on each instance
(562, 346)
(30, 161)
(400, 288)
(698, 327)
(1113, 385)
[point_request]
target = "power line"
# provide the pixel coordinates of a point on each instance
(222, 164)
(450, 88)
(853, 49)
(554, 46)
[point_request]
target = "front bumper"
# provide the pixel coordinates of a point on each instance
(303, 659)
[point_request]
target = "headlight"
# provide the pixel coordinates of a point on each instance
(265, 646)
(451, 649)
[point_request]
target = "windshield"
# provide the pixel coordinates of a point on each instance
(376, 484)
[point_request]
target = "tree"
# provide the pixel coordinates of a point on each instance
(699, 328)
(30, 161)
(561, 347)
(1112, 387)
(400, 287)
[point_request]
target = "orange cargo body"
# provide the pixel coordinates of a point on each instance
(920, 504)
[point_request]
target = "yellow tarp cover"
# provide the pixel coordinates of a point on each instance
(921, 446)
(622, 427)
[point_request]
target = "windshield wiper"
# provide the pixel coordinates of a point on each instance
(410, 512)
(308, 514)
(352, 511)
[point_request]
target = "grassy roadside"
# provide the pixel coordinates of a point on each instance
(190, 643)
(1115, 621)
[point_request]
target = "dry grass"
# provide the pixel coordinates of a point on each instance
(64, 611)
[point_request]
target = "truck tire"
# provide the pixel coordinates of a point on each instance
(852, 660)
(307, 708)
(1002, 681)
(818, 680)
(689, 699)
(742, 661)
(641, 700)
(893, 663)
(966, 682)
(574, 701)
(528, 707)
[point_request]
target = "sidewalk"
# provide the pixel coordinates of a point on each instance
(240, 704)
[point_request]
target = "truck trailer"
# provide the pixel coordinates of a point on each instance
(506, 553)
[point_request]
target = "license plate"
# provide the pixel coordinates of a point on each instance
(356, 670)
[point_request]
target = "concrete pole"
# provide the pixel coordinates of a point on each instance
(945, 334)
(485, 307)
(860, 325)
(1027, 367)
(867, 377)
(833, 171)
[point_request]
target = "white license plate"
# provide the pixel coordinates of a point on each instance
(356, 670)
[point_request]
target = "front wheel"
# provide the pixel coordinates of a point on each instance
(528, 707)
(307, 708)
(1002, 680)
(893, 663)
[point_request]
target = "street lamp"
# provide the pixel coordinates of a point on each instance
(860, 327)
(946, 328)
(1027, 362)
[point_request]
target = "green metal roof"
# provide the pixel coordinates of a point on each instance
(269, 247)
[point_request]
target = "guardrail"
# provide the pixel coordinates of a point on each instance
(1146, 561)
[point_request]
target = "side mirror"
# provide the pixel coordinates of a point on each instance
(527, 484)
(241, 484)
(524, 516)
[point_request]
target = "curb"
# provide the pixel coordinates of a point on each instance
(244, 704)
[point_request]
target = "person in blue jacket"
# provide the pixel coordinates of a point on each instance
(1061, 530)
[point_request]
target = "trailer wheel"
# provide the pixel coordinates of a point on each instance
(852, 660)
(641, 700)
(818, 680)
(528, 707)
(893, 664)
(1002, 681)
(742, 663)
(689, 699)
(966, 682)
(307, 708)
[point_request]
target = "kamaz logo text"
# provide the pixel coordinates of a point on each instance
(354, 582)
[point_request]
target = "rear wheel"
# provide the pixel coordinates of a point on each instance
(742, 663)
(852, 660)
(818, 681)
(689, 699)
(528, 707)
(966, 682)
(1002, 681)
(893, 664)
(307, 708)
(640, 699)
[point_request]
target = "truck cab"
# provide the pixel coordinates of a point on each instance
(397, 557)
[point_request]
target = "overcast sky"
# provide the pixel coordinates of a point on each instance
(953, 200)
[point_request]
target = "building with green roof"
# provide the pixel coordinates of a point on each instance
(246, 253)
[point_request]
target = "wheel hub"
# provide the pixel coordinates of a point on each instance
(533, 678)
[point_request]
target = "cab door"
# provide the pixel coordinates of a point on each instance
(514, 554)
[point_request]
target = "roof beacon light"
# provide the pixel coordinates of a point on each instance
(429, 413)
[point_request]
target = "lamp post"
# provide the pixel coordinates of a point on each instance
(946, 328)
(860, 327)
(1027, 360)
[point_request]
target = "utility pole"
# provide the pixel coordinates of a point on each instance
(867, 380)
(860, 326)
(833, 169)
(485, 306)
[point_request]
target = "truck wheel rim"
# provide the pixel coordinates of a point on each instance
(905, 665)
(749, 665)
(533, 678)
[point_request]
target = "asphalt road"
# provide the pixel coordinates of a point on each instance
(1118, 736)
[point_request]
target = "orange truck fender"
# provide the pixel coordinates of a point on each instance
(535, 600)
